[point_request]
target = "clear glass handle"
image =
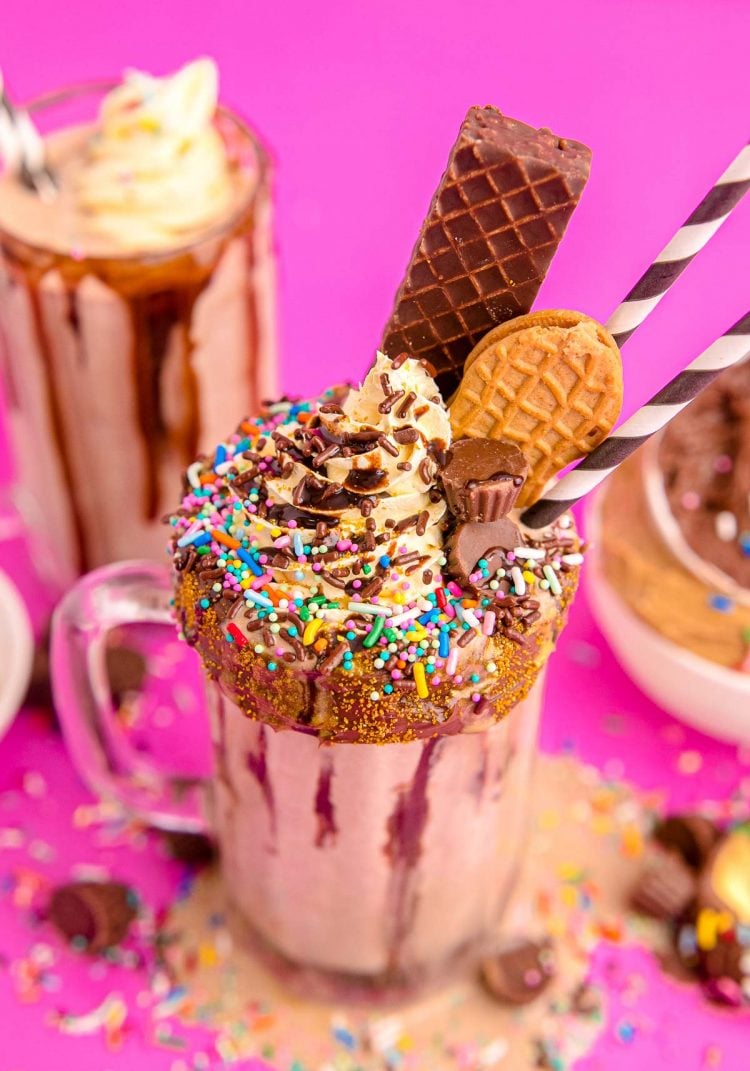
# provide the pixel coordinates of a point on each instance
(107, 598)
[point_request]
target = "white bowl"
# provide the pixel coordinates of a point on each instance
(16, 651)
(708, 696)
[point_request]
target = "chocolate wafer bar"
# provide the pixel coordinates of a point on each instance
(493, 227)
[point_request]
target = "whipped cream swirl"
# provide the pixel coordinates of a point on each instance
(156, 166)
(370, 462)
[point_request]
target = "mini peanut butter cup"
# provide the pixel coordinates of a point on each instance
(691, 836)
(666, 887)
(96, 913)
(476, 540)
(483, 478)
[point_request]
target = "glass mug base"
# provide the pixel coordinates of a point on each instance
(362, 869)
(358, 872)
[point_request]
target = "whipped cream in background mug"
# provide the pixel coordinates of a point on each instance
(136, 307)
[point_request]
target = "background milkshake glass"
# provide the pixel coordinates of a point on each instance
(135, 308)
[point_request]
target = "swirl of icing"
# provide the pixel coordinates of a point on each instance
(156, 167)
(379, 444)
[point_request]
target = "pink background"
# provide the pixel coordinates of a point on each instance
(359, 103)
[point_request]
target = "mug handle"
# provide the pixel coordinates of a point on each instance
(115, 595)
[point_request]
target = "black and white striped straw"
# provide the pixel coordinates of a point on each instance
(22, 147)
(732, 347)
(695, 232)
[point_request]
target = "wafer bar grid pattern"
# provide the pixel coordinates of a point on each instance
(481, 260)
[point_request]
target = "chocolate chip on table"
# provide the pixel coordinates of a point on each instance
(666, 887)
(519, 970)
(691, 836)
(96, 913)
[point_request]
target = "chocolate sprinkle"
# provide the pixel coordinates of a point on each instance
(388, 403)
(404, 436)
(325, 455)
(406, 523)
(334, 658)
(387, 445)
(426, 469)
(406, 405)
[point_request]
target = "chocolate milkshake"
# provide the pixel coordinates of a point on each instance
(375, 625)
(373, 619)
(136, 306)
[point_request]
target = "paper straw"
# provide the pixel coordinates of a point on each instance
(695, 232)
(732, 347)
(22, 147)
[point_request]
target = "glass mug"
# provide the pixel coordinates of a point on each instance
(120, 368)
(356, 870)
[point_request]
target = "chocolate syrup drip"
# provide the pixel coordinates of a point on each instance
(73, 317)
(405, 828)
(366, 479)
(282, 514)
(359, 442)
(257, 764)
(327, 828)
(221, 711)
(155, 317)
(58, 428)
(480, 778)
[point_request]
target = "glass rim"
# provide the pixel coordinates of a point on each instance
(151, 256)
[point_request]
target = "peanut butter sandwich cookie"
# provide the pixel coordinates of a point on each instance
(550, 381)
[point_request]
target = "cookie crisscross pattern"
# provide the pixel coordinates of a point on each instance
(491, 234)
(555, 406)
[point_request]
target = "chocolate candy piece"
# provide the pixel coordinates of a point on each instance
(494, 225)
(99, 913)
(666, 887)
(482, 478)
(520, 970)
(691, 836)
(191, 848)
(715, 941)
(475, 540)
